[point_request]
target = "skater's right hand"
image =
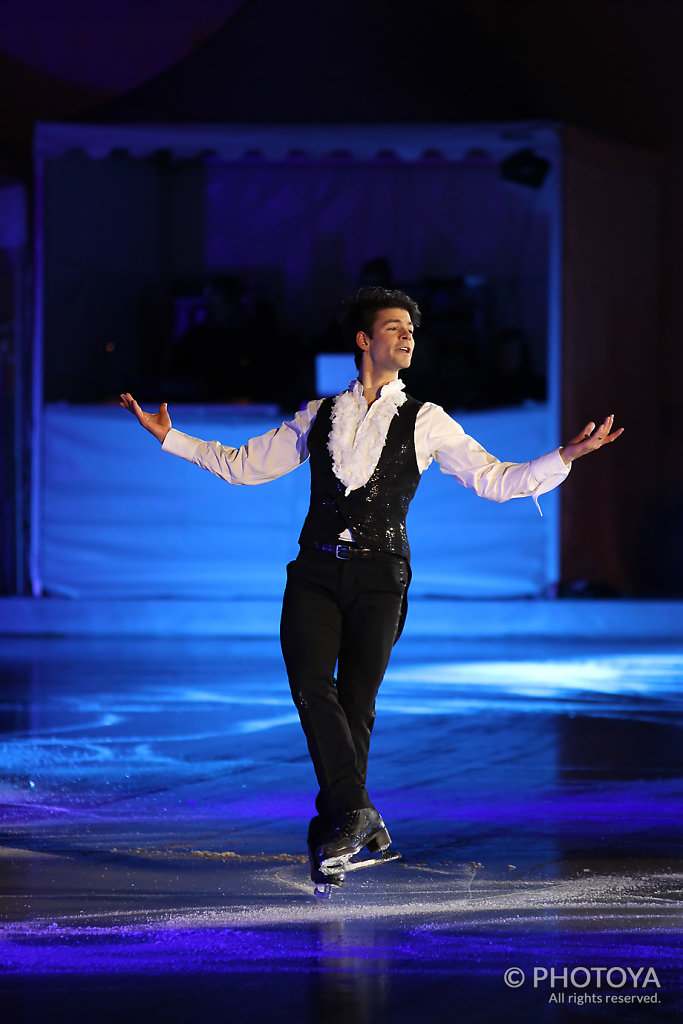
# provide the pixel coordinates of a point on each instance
(158, 423)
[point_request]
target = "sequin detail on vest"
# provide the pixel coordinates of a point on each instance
(375, 513)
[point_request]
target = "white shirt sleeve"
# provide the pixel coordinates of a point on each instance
(438, 436)
(259, 461)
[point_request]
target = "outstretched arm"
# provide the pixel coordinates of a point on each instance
(590, 439)
(260, 460)
(438, 436)
(158, 423)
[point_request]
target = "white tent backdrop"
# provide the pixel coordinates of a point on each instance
(303, 208)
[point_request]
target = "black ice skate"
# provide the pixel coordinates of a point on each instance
(323, 879)
(353, 831)
(320, 831)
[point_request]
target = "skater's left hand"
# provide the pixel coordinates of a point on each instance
(590, 439)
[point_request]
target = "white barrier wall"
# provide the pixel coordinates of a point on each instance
(121, 519)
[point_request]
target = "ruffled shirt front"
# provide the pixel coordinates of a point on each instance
(359, 431)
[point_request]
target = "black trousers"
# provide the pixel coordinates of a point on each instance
(342, 615)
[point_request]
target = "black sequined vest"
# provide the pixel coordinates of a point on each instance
(375, 513)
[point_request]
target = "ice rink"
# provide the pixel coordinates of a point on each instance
(155, 797)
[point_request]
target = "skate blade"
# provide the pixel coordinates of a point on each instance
(336, 864)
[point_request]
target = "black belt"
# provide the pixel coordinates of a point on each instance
(344, 551)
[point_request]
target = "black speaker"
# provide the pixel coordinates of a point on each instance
(525, 168)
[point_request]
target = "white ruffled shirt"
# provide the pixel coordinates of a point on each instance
(356, 440)
(359, 431)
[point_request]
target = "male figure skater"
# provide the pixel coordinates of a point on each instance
(345, 599)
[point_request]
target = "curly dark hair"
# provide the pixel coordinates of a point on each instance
(359, 311)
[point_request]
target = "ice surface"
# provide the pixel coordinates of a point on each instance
(155, 796)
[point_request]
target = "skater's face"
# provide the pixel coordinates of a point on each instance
(390, 346)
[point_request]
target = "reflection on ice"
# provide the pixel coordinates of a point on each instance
(634, 674)
(419, 916)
